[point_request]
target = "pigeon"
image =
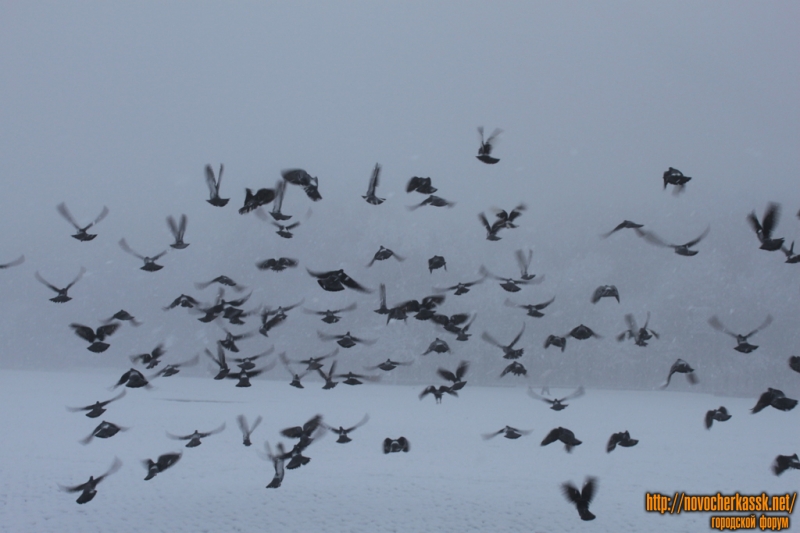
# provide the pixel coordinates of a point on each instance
(97, 408)
(395, 445)
(564, 435)
(194, 438)
(605, 291)
(18, 261)
(582, 333)
(343, 432)
(133, 379)
(271, 318)
(244, 375)
(183, 300)
(221, 363)
(95, 337)
(794, 363)
(622, 438)
(306, 435)
(336, 280)
(510, 284)
(639, 335)
(62, 295)
(791, 257)
(485, 151)
(247, 430)
(346, 340)
(581, 499)
(438, 393)
(388, 365)
(314, 363)
(625, 224)
(457, 377)
(508, 432)
(508, 351)
(741, 340)
(682, 367)
(280, 191)
(104, 430)
(436, 262)
(557, 404)
(297, 176)
(491, 229)
(421, 185)
(432, 200)
(164, 461)
(328, 316)
(229, 342)
(285, 231)
(221, 280)
(277, 463)
(213, 187)
(355, 379)
(516, 368)
(720, 415)
(88, 490)
(461, 332)
(123, 316)
(524, 262)
(277, 265)
(174, 368)
(675, 177)
(373, 184)
(460, 288)
(775, 398)
(438, 346)
(764, 228)
(783, 463)
(533, 310)
(680, 249)
(555, 340)
(505, 220)
(329, 383)
(81, 234)
(177, 232)
(150, 359)
(254, 200)
(295, 377)
(384, 253)
(150, 264)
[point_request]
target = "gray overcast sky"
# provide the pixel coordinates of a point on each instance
(122, 104)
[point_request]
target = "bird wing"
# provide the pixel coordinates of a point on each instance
(716, 324)
(18, 261)
(698, 239)
(359, 424)
(576, 394)
(124, 245)
(516, 339)
(766, 323)
(43, 281)
(64, 212)
(84, 332)
(173, 227)
(213, 186)
(771, 216)
(491, 340)
(350, 282)
(487, 436)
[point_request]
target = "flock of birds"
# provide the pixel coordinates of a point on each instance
(232, 366)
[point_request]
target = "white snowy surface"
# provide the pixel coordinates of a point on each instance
(451, 480)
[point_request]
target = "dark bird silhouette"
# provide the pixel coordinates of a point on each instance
(133, 379)
(505, 219)
(680, 249)
(285, 231)
(174, 368)
(438, 393)
(491, 229)
(682, 367)
(244, 375)
(487, 145)
(625, 224)
(791, 257)
(382, 310)
(383, 254)
(97, 408)
(123, 316)
(388, 365)
(229, 342)
(460, 288)
(296, 378)
(221, 280)
(194, 438)
(524, 262)
(675, 177)
(741, 340)
(557, 404)
(277, 463)
(95, 337)
(183, 300)
(783, 463)
(178, 230)
(639, 335)
(436, 262)
(278, 265)
(81, 234)
(351, 378)
(582, 333)
(765, 228)
(246, 429)
(622, 438)
(508, 432)
(794, 363)
(775, 398)
(328, 316)
(438, 346)
(581, 499)
(510, 284)
(150, 264)
(164, 461)
(305, 433)
(373, 184)
(88, 490)
(104, 430)
(605, 291)
(61, 296)
(310, 185)
(336, 280)
(533, 310)
(343, 432)
(516, 368)
(254, 200)
(457, 377)
(564, 435)
(720, 415)
(18, 261)
(346, 340)
(315, 363)
(421, 185)
(213, 187)
(277, 204)
(508, 351)
(270, 318)
(329, 383)
(151, 359)
(462, 333)
(395, 445)
(220, 361)
(432, 200)
(555, 340)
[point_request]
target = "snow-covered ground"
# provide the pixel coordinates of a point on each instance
(451, 480)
